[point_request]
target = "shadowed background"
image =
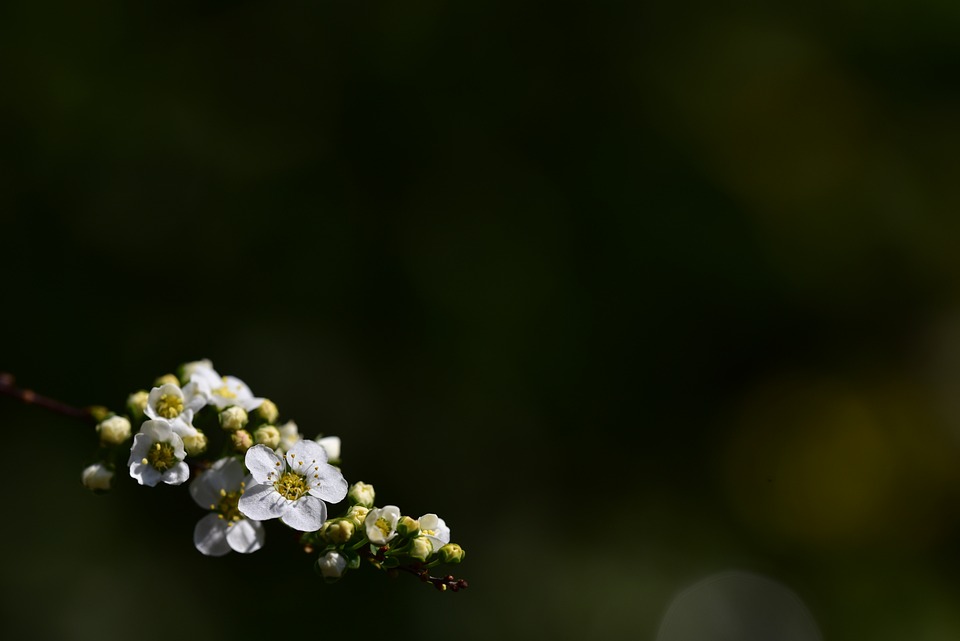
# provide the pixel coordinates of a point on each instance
(630, 294)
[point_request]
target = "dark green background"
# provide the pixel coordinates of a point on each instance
(629, 293)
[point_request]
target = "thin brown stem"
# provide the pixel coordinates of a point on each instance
(9, 388)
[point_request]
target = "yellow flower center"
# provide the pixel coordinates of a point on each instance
(291, 486)
(169, 406)
(161, 457)
(227, 505)
(429, 532)
(225, 392)
(384, 526)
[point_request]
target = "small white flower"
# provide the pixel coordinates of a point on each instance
(157, 455)
(289, 436)
(219, 489)
(332, 445)
(221, 391)
(381, 524)
(332, 564)
(97, 477)
(292, 488)
(171, 403)
(433, 527)
(114, 430)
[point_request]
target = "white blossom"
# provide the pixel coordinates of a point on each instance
(176, 405)
(220, 391)
(381, 524)
(157, 455)
(433, 527)
(293, 487)
(219, 489)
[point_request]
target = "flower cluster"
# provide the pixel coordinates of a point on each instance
(385, 538)
(263, 470)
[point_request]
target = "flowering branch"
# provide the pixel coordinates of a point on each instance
(263, 471)
(8, 387)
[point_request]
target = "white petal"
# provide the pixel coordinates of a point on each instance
(262, 502)
(308, 451)
(224, 474)
(144, 473)
(176, 474)
(306, 514)
(264, 464)
(210, 535)
(331, 444)
(331, 486)
(246, 536)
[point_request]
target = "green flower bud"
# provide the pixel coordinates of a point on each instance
(233, 418)
(114, 430)
(166, 379)
(421, 548)
(267, 435)
(268, 411)
(452, 553)
(361, 493)
(407, 526)
(196, 444)
(241, 440)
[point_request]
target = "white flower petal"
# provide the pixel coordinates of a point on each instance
(246, 536)
(262, 502)
(331, 486)
(145, 474)
(306, 514)
(210, 535)
(176, 474)
(224, 474)
(264, 464)
(308, 451)
(331, 445)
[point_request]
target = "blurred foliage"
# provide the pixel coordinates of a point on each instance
(629, 293)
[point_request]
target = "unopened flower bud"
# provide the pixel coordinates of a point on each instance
(408, 526)
(267, 435)
(332, 565)
(452, 553)
(196, 444)
(340, 531)
(233, 418)
(361, 493)
(166, 379)
(97, 477)
(114, 430)
(421, 548)
(268, 411)
(99, 413)
(357, 514)
(241, 440)
(137, 404)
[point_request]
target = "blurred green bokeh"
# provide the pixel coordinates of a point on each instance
(631, 294)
